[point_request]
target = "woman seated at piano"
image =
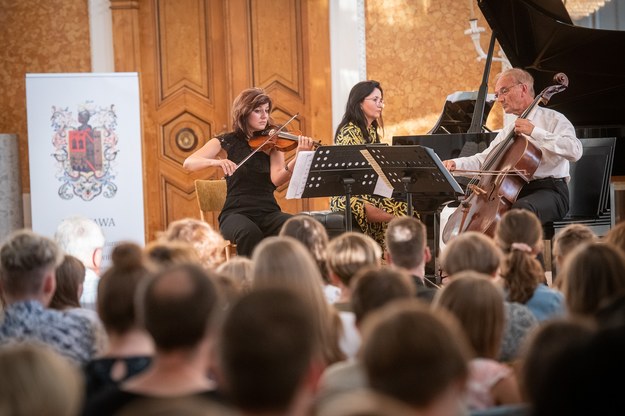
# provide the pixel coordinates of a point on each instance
(360, 123)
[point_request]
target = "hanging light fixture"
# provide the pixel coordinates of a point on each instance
(579, 9)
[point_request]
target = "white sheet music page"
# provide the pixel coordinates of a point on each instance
(383, 186)
(300, 174)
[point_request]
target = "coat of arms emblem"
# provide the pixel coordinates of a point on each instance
(85, 148)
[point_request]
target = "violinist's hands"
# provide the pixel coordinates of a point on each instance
(227, 165)
(304, 143)
(450, 165)
(523, 126)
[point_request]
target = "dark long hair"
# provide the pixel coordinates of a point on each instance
(354, 113)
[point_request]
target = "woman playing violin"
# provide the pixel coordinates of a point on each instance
(363, 116)
(250, 212)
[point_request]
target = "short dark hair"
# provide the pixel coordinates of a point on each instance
(267, 346)
(177, 306)
(406, 241)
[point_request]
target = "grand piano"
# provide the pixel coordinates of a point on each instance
(539, 36)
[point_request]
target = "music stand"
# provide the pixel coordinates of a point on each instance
(337, 171)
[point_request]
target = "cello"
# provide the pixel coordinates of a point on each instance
(507, 168)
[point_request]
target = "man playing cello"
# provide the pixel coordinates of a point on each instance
(547, 194)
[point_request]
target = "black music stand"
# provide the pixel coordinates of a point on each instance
(340, 170)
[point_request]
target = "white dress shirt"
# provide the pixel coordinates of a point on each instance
(553, 134)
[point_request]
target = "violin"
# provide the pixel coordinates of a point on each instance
(284, 142)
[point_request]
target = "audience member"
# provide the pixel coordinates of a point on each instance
(284, 262)
(314, 236)
(177, 307)
(208, 243)
(163, 254)
(270, 359)
(83, 238)
(70, 275)
(406, 245)
(37, 381)
(616, 235)
(372, 287)
(592, 275)
(27, 267)
(519, 234)
(545, 346)
(565, 241)
(130, 347)
(239, 269)
(417, 356)
(363, 402)
(479, 307)
(473, 251)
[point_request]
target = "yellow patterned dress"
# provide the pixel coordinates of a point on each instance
(350, 134)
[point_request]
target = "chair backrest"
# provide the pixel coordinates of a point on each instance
(211, 195)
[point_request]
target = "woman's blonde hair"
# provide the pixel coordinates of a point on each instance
(350, 252)
(284, 262)
(208, 243)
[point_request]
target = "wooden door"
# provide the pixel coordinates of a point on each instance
(194, 57)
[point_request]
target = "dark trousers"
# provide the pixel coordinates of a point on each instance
(246, 231)
(548, 198)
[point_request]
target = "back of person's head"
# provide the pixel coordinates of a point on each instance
(406, 241)
(268, 348)
(25, 260)
(570, 237)
(616, 235)
(363, 402)
(118, 287)
(471, 250)
(82, 238)
(519, 234)
(351, 251)
(239, 269)
(177, 306)
(478, 305)
(544, 346)
(37, 381)
(284, 262)
(178, 406)
(162, 254)
(208, 243)
(313, 235)
(373, 287)
(592, 275)
(415, 355)
(70, 275)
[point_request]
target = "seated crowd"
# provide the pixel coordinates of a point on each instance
(313, 326)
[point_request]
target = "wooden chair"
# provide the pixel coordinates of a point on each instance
(211, 196)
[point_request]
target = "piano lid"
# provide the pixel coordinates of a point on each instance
(538, 35)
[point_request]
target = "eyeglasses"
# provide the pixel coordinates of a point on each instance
(506, 90)
(377, 100)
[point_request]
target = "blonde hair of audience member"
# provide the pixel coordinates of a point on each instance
(310, 232)
(616, 236)
(117, 292)
(471, 250)
(70, 275)
(544, 346)
(519, 235)
(285, 262)
(239, 269)
(373, 287)
(416, 356)
(592, 275)
(347, 253)
(479, 307)
(208, 243)
(37, 381)
(162, 254)
(568, 238)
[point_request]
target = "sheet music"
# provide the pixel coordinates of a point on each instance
(300, 174)
(383, 186)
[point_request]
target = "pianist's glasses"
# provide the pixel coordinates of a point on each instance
(505, 90)
(377, 100)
